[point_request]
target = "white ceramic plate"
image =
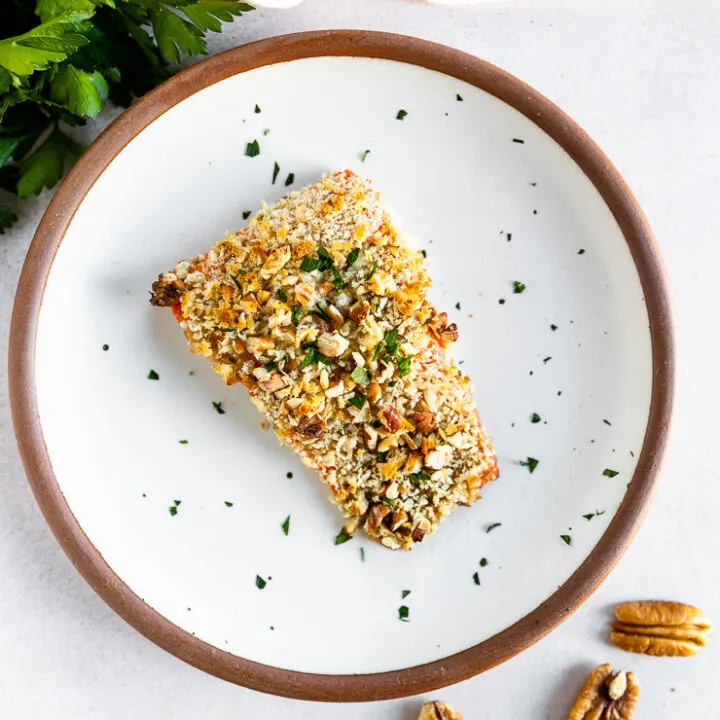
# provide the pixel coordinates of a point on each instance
(493, 199)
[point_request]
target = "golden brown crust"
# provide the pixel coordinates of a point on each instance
(319, 308)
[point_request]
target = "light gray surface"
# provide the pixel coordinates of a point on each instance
(642, 78)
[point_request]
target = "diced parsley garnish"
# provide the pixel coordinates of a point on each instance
(535, 418)
(252, 149)
(553, 327)
(152, 375)
(581, 251)
(238, 284)
(483, 562)
(313, 357)
(358, 400)
(352, 257)
(372, 269)
(607, 422)
(183, 442)
(376, 354)
(310, 264)
(297, 312)
(218, 407)
(518, 287)
(566, 539)
(492, 526)
(402, 114)
(173, 510)
(424, 253)
(417, 478)
(530, 464)
(476, 577)
(259, 582)
(362, 554)
(364, 155)
(404, 613)
(286, 525)
(246, 214)
(391, 342)
(547, 359)
(607, 472)
(518, 140)
(405, 593)
(228, 503)
(257, 109)
(404, 365)
(360, 375)
(589, 516)
(290, 179)
(338, 281)
(276, 170)
(382, 456)
(458, 98)
(342, 537)
(326, 261)
(282, 295)
(388, 501)
(270, 366)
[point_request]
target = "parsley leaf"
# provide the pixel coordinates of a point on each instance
(530, 464)
(360, 375)
(492, 526)
(276, 170)
(257, 109)
(535, 418)
(313, 357)
(228, 503)
(402, 114)
(607, 472)
(405, 593)
(296, 314)
(152, 375)
(44, 167)
(246, 214)
(372, 269)
(175, 35)
(252, 149)
(352, 257)
(483, 562)
(364, 155)
(260, 583)
(342, 537)
(282, 295)
(417, 478)
(218, 406)
(404, 613)
(286, 525)
(358, 400)
(518, 287)
(391, 343)
(309, 264)
(476, 577)
(566, 539)
(404, 365)
(290, 179)
(458, 98)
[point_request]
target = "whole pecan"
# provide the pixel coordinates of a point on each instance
(658, 627)
(606, 696)
(438, 711)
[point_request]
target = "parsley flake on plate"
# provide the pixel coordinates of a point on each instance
(405, 593)
(252, 149)
(290, 179)
(566, 539)
(183, 442)
(404, 613)
(342, 537)
(260, 583)
(483, 562)
(492, 526)
(518, 287)
(286, 525)
(364, 155)
(459, 98)
(257, 109)
(218, 407)
(530, 464)
(246, 214)
(607, 472)
(476, 577)
(402, 114)
(152, 375)
(228, 503)
(518, 140)
(535, 418)
(276, 171)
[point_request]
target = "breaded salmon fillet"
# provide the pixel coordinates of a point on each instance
(318, 307)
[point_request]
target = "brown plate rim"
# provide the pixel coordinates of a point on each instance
(88, 560)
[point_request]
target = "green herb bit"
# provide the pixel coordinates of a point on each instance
(535, 418)
(476, 577)
(364, 155)
(310, 264)
(173, 510)
(388, 501)
(372, 269)
(402, 114)
(547, 359)
(276, 171)
(270, 366)
(352, 257)
(553, 327)
(266, 131)
(607, 422)
(530, 464)
(518, 287)
(589, 516)
(183, 442)
(152, 375)
(252, 149)
(405, 593)
(518, 140)
(257, 109)
(492, 526)
(424, 253)
(417, 478)
(360, 375)
(376, 354)
(391, 342)
(358, 400)
(607, 472)
(218, 407)
(362, 554)
(290, 179)
(483, 562)
(260, 583)
(238, 284)
(338, 281)
(404, 365)
(296, 314)
(177, 502)
(282, 295)
(581, 251)
(404, 613)
(566, 539)
(342, 537)
(228, 503)
(246, 214)
(286, 525)
(312, 358)
(459, 98)
(382, 456)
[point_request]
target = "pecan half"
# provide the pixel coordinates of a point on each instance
(606, 696)
(438, 711)
(657, 627)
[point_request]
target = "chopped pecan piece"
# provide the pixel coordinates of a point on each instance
(391, 419)
(359, 311)
(166, 290)
(375, 517)
(446, 332)
(274, 383)
(438, 711)
(397, 519)
(313, 427)
(422, 527)
(424, 421)
(606, 696)
(657, 627)
(373, 392)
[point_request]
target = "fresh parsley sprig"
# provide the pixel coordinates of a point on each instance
(63, 60)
